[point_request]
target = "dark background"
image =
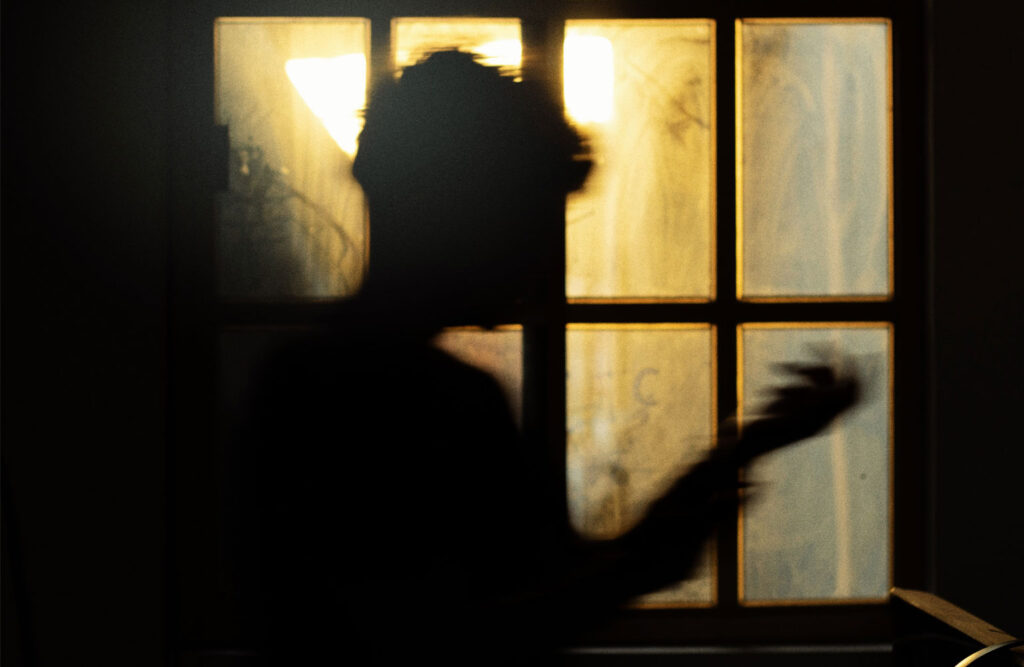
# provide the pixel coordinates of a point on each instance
(85, 322)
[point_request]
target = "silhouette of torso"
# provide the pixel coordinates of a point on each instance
(397, 501)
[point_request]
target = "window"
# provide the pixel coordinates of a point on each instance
(749, 206)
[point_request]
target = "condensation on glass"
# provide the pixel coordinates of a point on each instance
(642, 91)
(640, 411)
(818, 525)
(497, 42)
(814, 159)
(293, 221)
(496, 351)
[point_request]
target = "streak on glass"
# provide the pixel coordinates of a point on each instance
(817, 527)
(292, 223)
(497, 42)
(642, 91)
(814, 159)
(640, 409)
(496, 351)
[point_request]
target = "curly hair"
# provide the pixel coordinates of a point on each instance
(451, 124)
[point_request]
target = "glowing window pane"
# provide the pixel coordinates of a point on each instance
(815, 173)
(818, 524)
(496, 41)
(642, 92)
(337, 106)
(640, 411)
(589, 74)
(290, 91)
(498, 352)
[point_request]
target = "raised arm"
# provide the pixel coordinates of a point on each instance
(601, 576)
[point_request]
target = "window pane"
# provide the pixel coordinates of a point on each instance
(815, 173)
(497, 41)
(290, 90)
(642, 92)
(640, 411)
(498, 352)
(818, 523)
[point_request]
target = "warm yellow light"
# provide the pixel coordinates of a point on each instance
(589, 76)
(335, 91)
(501, 53)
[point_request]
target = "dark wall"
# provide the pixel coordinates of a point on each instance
(84, 270)
(979, 309)
(84, 346)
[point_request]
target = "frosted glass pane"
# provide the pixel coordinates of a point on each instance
(640, 412)
(498, 352)
(496, 41)
(818, 523)
(815, 174)
(642, 92)
(293, 220)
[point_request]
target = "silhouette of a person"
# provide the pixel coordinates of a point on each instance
(400, 515)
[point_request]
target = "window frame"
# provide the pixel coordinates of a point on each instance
(197, 463)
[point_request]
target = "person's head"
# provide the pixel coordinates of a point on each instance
(465, 171)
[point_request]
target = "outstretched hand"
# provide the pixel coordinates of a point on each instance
(667, 543)
(802, 408)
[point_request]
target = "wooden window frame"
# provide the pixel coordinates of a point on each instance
(199, 316)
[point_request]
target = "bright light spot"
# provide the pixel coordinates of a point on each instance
(501, 53)
(335, 91)
(589, 76)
